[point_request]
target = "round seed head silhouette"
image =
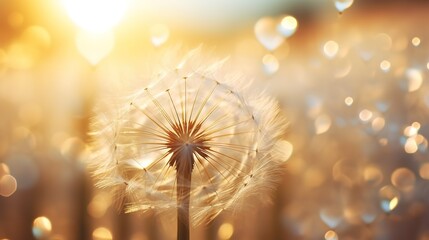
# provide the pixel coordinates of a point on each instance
(195, 139)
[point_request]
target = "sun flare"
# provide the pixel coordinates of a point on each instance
(96, 15)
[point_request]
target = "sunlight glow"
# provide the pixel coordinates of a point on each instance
(96, 15)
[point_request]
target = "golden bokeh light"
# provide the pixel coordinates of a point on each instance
(353, 86)
(283, 150)
(322, 123)
(411, 146)
(348, 101)
(415, 41)
(365, 115)
(226, 230)
(4, 169)
(403, 179)
(378, 124)
(424, 171)
(102, 233)
(288, 26)
(8, 185)
(330, 49)
(415, 79)
(372, 175)
(331, 235)
(385, 65)
(270, 64)
(42, 227)
(389, 198)
(267, 34)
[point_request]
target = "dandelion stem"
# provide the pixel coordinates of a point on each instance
(184, 167)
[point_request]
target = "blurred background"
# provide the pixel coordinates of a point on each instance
(350, 76)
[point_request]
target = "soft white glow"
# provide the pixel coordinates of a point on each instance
(348, 101)
(288, 26)
(94, 47)
(330, 48)
(342, 5)
(96, 15)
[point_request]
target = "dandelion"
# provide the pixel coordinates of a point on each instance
(194, 140)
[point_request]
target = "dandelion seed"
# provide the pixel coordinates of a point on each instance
(192, 140)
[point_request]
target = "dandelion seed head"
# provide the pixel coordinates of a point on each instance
(191, 116)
